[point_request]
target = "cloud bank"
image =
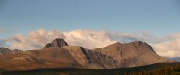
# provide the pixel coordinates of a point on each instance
(167, 46)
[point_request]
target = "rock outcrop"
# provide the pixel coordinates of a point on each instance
(5, 51)
(59, 42)
(16, 51)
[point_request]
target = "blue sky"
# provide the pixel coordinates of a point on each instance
(159, 17)
(29, 24)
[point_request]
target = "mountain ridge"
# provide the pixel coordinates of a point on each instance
(61, 55)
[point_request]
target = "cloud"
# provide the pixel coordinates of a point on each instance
(170, 47)
(38, 39)
(85, 38)
(34, 40)
(166, 46)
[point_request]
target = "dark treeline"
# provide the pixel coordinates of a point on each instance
(173, 70)
(154, 69)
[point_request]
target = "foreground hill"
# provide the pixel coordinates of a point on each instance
(59, 54)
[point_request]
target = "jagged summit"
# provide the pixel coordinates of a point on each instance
(58, 42)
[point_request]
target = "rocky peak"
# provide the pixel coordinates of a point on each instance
(58, 42)
(138, 43)
(16, 51)
(48, 45)
(4, 51)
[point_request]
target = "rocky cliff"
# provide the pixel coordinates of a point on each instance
(57, 43)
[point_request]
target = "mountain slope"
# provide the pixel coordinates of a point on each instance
(45, 58)
(60, 55)
(132, 54)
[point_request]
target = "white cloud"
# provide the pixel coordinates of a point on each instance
(166, 46)
(34, 40)
(38, 39)
(170, 47)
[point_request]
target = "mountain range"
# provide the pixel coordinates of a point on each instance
(58, 54)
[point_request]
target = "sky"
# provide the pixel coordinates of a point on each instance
(36, 22)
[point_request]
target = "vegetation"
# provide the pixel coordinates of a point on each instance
(174, 70)
(154, 69)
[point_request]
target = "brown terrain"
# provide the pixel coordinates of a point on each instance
(59, 54)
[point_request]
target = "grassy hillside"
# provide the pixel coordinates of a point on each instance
(129, 71)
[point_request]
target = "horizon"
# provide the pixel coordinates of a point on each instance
(31, 24)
